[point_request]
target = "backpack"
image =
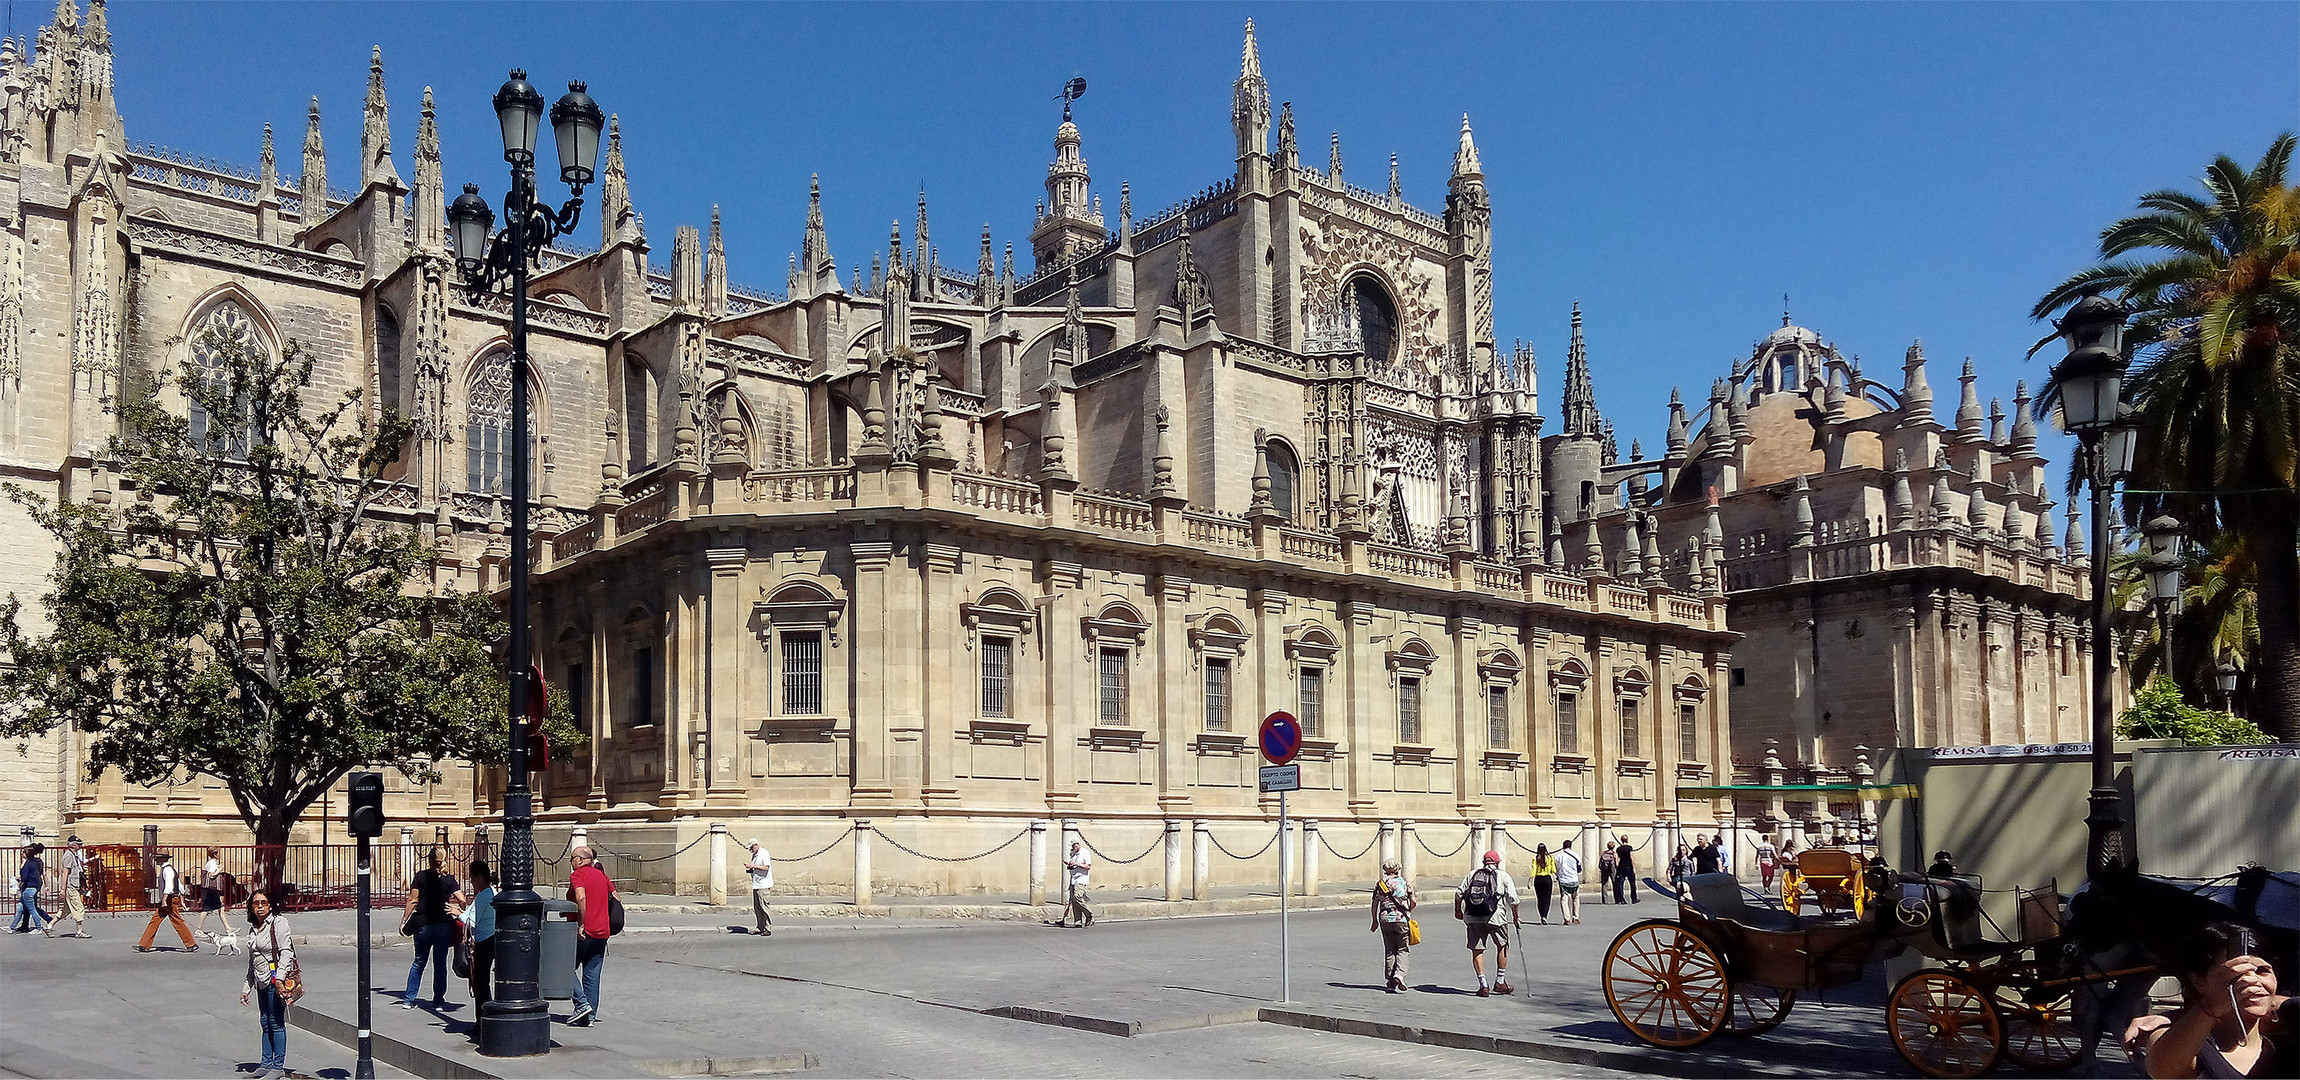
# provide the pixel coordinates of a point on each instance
(614, 914)
(1478, 901)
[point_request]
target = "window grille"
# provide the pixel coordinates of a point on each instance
(802, 672)
(1409, 710)
(1114, 687)
(997, 676)
(642, 709)
(1497, 717)
(1218, 694)
(1629, 740)
(1313, 705)
(1568, 723)
(1688, 732)
(225, 328)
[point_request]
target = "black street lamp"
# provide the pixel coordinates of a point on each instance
(2164, 536)
(2090, 385)
(2226, 675)
(517, 1023)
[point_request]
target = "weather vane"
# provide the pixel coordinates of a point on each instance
(1071, 91)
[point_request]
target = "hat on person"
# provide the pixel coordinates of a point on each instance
(72, 840)
(1493, 856)
(755, 842)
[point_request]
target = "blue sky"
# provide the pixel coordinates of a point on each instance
(1899, 170)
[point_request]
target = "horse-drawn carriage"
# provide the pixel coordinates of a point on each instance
(1732, 964)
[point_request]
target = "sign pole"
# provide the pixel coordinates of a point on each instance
(365, 1068)
(1285, 904)
(1281, 739)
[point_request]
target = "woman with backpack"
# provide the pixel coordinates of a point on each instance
(1544, 880)
(1394, 902)
(1604, 868)
(431, 920)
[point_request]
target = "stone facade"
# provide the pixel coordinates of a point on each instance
(943, 551)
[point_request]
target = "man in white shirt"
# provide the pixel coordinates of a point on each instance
(75, 886)
(762, 868)
(1487, 903)
(1075, 867)
(1569, 884)
(169, 907)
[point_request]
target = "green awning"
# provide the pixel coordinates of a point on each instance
(1860, 792)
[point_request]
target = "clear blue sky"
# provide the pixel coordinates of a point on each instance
(1901, 171)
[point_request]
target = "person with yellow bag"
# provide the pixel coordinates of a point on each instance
(1394, 903)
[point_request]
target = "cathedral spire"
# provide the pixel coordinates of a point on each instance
(1289, 154)
(1250, 103)
(1580, 402)
(817, 273)
(922, 267)
(1070, 228)
(687, 268)
(1465, 161)
(375, 136)
(715, 269)
(267, 168)
(1397, 194)
(617, 222)
(314, 208)
(430, 182)
(986, 272)
(1334, 159)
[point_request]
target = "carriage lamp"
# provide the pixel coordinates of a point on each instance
(519, 108)
(576, 121)
(2091, 379)
(469, 220)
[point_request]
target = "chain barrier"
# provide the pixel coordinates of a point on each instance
(1505, 834)
(561, 857)
(1217, 842)
(1106, 858)
(1435, 853)
(835, 841)
(900, 846)
(1348, 858)
(596, 850)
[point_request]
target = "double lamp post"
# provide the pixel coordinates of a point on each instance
(517, 1023)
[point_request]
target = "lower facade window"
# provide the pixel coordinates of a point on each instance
(1313, 703)
(1629, 739)
(1497, 717)
(997, 676)
(802, 672)
(1409, 709)
(1568, 723)
(642, 710)
(1688, 733)
(1217, 694)
(1114, 687)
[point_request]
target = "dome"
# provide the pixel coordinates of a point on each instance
(1789, 335)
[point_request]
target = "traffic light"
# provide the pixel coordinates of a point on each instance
(367, 804)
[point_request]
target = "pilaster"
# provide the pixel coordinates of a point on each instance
(1175, 694)
(1365, 678)
(945, 659)
(1066, 717)
(720, 652)
(873, 564)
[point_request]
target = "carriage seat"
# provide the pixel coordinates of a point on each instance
(1720, 895)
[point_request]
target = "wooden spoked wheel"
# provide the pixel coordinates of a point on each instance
(1756, 1009)
(2041, 1037)
(1944, 1026)
(1666, 985)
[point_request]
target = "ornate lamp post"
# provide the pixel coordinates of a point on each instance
(2090, 382)
(2164, 536)
(2226, 675)
(517, 1023)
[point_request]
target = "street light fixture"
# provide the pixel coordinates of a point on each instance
(517, 1023)
(2164, 535)
(2090, 385)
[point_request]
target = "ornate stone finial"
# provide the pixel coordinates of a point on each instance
(1996, 421)
(686, 442)
(1580, 400)
(1944, 504)
(1162, 459)
(1592, 548)
(1261, 485)
(1903, 502)
(1801, 513)
(1977, 512)
(931, 417)
(715, 270)
(314, 183)
(611, 466)
(2024, 421)
(1289, 154)
(2073, 542)
(1556, 544)
(1126, 215)
(1465, 161)
(375, 136)
(1334, 160)
(267, 170)
(1833, 396)
(1679, 428)
(1457, 516)
(1916, 393)
(874, 406)
(430, 210)
(1397, 194)
(1968, 406)
(617, 220)
(1250, 101)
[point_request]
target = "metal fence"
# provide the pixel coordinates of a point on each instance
(310, 877)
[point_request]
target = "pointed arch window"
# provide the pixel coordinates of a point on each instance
(487, 426)
(1285, 480)
(387, 361)
(224, 332)
(1375, 317)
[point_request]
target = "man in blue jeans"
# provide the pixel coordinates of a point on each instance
(431, 918)
(591, 891)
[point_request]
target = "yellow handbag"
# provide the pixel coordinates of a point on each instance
(1413, 931)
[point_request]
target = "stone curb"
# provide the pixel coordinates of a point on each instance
(1674, 1065)
(417, 1061)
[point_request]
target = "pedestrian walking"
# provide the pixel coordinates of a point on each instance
(762, 868)
(1680, 865)
(275, 979)
(1625, 871)
(1075, 867)
(1544, 881)
(1766, 860)
(593, 895)
(1704, 856)
(1605, 867)
(1394, 903)
(75, 887)
(1724, 853)
(168, 904)
(478, 900)
(1569, 884)
(1479, 904)
(212, 896)
(29, 877)
(428, 919)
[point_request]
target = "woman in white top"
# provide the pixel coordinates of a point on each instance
(212, 897)
(271, 961)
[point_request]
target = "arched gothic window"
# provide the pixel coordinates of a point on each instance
(639, 413)
(1376, 317)
(387, 361)
(1285, 480)
(225, 330)
(487, 426)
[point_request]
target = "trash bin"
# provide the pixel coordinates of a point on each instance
(555, 977)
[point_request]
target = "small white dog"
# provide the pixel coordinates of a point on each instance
(226, 942)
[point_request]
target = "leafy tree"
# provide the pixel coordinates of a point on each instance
(2158, 712)
(240, 610)
(2216, 382)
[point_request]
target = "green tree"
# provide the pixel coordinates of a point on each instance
(238, 609)
(2158, 712)
(2215, 342)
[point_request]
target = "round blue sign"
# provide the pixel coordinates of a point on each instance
(1281, 737)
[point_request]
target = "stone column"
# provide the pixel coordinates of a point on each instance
(1201, 839)
(1310, 856)
(1173, 845)
(1037, 863)
(718, 885)
(723, 697)
(862, 863)
(1409, 849)
(1497, 840)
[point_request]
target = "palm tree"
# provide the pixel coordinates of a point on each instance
(2215, 346)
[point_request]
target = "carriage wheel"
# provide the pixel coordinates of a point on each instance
(1666, 985)
(1944, 1026)
(1756, 1009)
(2042, 1037)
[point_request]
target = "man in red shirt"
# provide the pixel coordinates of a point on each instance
(592, 890)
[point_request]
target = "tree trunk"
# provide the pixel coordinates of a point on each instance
(2276, 685)
(272, 830)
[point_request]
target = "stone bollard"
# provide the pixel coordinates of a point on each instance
(1037, 863)
(862, 862)
(1386, 844)
(1201, 838)
(1310, 857)
(1498, 841)
(1477, 845)
(1409, 851)
(1173, 843)
(718, 888)
(579, 837)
